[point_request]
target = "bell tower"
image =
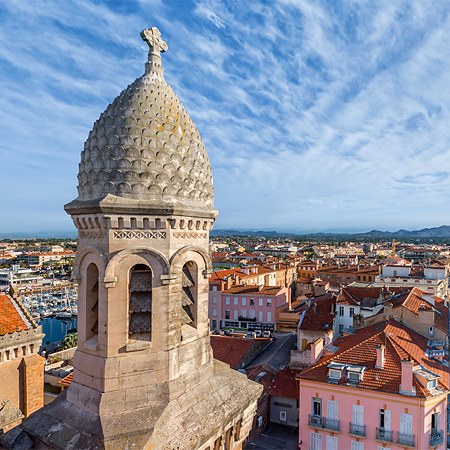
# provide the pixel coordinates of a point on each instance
(144, 374)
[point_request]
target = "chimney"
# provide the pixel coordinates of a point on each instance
(316, 350)
(380, 356)
(406, 386)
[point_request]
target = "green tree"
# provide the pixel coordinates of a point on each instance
(70, 340)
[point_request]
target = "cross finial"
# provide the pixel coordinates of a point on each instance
(154, 40)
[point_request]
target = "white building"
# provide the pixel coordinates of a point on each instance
(432, 278)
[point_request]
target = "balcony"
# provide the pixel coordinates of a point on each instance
(406, 440)
(324, 423)
(436, 438)
(357, 430)
(331, 424)
(385, 435)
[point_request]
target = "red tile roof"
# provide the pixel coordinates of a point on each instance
(319, 316)
(236, 351)
(12, 319)
(285, 384)
(265, 290)
(360, 349)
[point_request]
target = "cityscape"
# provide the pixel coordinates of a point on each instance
(151, 322)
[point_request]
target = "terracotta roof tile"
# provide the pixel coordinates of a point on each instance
(360, 349)
(236, 351)
(11, 319)
(285, 384)
(319, 315)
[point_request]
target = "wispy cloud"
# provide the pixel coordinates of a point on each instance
(316, 114)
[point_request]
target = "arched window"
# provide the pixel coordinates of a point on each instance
(140, 303)
(189, 295)
(91, 301)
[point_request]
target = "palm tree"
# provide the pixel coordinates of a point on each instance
(70, 340)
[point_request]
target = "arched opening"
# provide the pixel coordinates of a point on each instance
(140, 303)
(189, 295)
(91, 301)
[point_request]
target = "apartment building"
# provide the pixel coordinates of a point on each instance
(355, 304)
(247, 308)
(375, 390)
(432, 278)
(348, 274)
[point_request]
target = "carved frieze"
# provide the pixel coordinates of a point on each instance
(138, 234)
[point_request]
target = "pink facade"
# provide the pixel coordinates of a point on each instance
(378, 419)
(246, 307)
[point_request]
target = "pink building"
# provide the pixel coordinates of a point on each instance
(383, 388)
(246, 308)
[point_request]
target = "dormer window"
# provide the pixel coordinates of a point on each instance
(432, 384)
(334, 374)
(354, 377)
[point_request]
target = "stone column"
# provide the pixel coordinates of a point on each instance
(33, 384)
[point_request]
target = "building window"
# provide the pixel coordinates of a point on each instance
(214, 288)
(91, 301)
(269, 302)
(244, 301)
(354, 377)
(214, 312)
(334, 374)
(214, 324)
(260, 316)
(227, 300)
(434, 422)
(260, 302)
(317, 407)
(252, 302)
(352, 312)
(214, 300)
(244, 313)
(341, 310)
(332, 442)
(431, 384)
(283, 416)
(252, 314)
(140, 303)
(227, 314)
(235, 314)
(341, 328)
(269, 316)
(357, 445)
(236, 301)
(316, 441)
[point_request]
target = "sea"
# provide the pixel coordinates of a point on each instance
(55, 330)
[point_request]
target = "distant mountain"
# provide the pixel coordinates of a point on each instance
(436, 232)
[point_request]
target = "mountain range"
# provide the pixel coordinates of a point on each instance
(436, 232)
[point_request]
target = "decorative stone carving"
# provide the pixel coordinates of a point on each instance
(139, 234)
(187, 235)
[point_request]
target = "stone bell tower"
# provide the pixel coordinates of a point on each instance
(144, 375)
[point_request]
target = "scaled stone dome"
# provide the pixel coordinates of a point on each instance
(144, 146)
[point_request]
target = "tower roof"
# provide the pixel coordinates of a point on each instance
(144, 149)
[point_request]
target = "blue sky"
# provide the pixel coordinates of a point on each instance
(317, 115)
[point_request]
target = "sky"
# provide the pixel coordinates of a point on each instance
(317, 115)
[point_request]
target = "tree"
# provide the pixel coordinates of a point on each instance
(70, 340)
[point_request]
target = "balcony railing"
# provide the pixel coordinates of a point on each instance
(407, 440)
(324, 423)
(331, 424)
(357, 430)
(384, 435)
(436, 438)
(315, 421)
